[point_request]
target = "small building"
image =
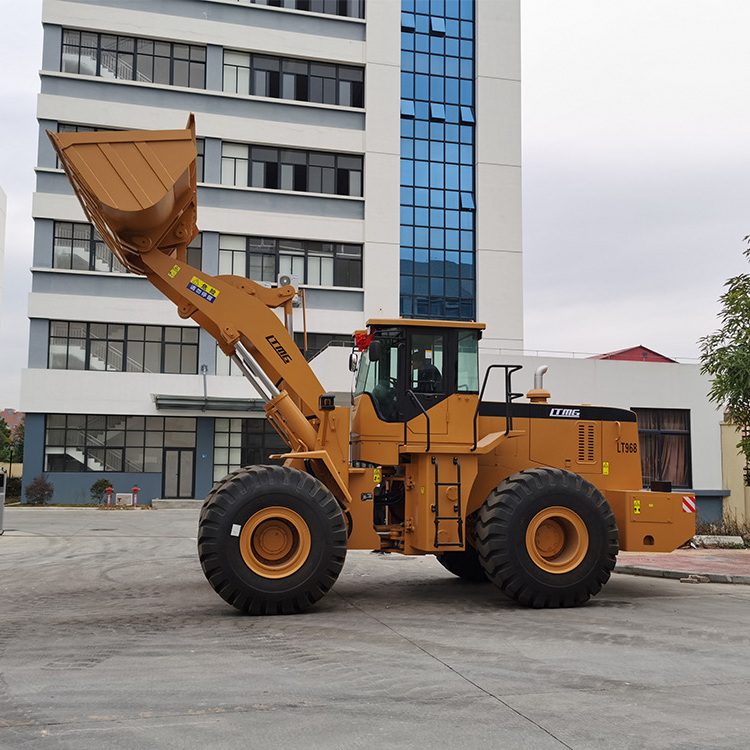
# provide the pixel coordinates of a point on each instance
(635, 354)
(12, 418)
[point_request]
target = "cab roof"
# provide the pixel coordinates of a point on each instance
(423, 323)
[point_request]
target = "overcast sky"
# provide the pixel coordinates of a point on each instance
(636, 169)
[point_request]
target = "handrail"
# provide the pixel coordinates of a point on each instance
(509, 397)
(414, 398)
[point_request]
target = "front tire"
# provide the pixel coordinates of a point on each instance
(271, 540)
(547, 538)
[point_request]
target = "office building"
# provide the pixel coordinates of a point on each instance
(371, 148)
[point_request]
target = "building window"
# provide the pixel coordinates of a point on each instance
(349, 8)
(437, 160)
(298, 80)
(313, 263)
(664, 436)
(200, 147)
(116, 347)
(244, 442)
(132, 59)
(290, 169)
(82, 442)
(78, 247)
(194, 255)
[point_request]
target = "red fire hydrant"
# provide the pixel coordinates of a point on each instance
(109, 492)
(135, 496)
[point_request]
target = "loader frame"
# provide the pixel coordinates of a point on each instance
(536, 496)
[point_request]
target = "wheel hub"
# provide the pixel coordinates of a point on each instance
(275, 542)
(557, 540)
(549, 538)
(273, 539)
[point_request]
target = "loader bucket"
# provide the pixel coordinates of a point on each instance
(137, 187)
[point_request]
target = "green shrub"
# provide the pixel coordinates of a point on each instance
(39, 491)
(99, 490)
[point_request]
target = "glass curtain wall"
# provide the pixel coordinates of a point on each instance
(437, 159)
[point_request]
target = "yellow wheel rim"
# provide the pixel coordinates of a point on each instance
(275, 542)
(557, 540)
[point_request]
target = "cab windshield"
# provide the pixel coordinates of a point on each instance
(379, 378)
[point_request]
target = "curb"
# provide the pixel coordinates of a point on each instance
(176, 504)
(637, 570)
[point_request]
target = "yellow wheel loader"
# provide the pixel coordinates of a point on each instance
(533, 496)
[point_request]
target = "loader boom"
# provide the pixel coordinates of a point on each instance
(139, 190)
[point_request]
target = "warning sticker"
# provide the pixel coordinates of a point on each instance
(688, 504)
(202, 289)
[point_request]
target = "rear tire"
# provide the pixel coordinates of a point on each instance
(465, 565)
(271, 540)
(547, 538)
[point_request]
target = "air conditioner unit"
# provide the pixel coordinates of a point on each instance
(288, 279)
(291, 279)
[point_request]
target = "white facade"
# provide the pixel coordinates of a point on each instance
(88, 98)
(498, 178)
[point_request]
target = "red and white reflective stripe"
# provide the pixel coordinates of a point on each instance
(688, 504)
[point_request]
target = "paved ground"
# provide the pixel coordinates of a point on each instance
(111, 638)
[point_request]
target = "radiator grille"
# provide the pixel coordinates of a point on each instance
(586, 442)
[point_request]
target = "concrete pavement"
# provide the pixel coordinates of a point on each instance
(111, 637)
(716, 565)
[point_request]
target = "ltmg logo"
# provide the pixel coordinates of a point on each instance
(567, 413)
(284, 355)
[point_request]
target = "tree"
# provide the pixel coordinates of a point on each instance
(725, 356)
(5, 440)
(17, 439)
(99, 489)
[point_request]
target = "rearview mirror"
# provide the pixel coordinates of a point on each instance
(373, 351)
(353, 362)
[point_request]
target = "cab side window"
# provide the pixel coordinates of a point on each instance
(427, 372)
(468, 362)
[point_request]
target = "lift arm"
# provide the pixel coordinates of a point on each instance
(139, 189)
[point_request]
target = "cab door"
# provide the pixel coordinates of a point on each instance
(425, 373)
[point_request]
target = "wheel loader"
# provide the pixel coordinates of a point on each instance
(535, 497)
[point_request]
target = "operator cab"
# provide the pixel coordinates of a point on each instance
(408, 366)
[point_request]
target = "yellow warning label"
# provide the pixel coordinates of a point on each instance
(202, 289)
(636, 507)
(605, 468)
(377, 475)
(175, 270)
